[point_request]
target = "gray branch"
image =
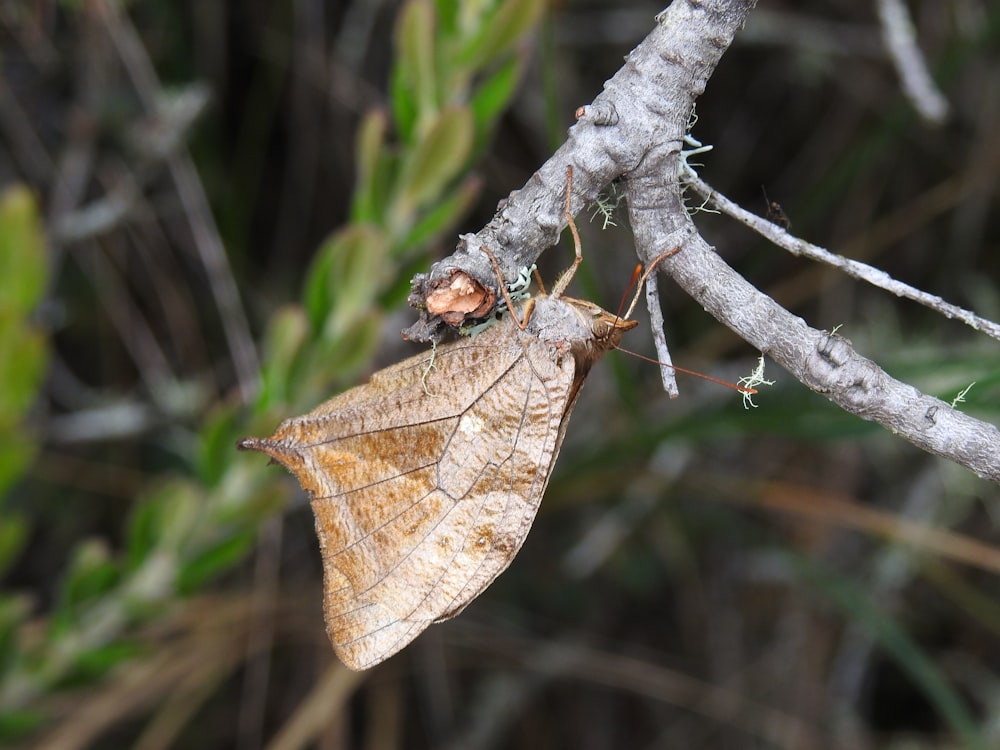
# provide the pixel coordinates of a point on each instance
(853, 268)
(644, 107)
(634, 130)
(901, 41)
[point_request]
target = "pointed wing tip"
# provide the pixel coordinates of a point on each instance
(248, 444)
(267, 446)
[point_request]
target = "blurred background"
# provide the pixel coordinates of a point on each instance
(209, 216)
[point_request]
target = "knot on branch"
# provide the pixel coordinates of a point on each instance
(834, 366)
(600, 113)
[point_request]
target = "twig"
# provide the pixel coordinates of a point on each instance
(900, 40)
(207, 242)
(642, 676)
(635, 129)
(645, 105)
(825, 362)
(853, 268)
(656, 325)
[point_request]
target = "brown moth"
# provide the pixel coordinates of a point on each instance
(425, 480)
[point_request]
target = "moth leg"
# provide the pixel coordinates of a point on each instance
(538, 280)
(567, 275)
(528, 306)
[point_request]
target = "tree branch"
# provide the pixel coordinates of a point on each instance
(634, 129)
(853, 268)
(822, 361)
(646, 105)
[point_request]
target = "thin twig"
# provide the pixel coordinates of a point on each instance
(901, 42)
(853, 268)
(667, 373)
(204, 231)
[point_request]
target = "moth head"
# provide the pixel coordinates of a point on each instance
(608, 327)
(603, 324)
(605, 328)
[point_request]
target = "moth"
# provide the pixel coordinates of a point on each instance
(425, 480)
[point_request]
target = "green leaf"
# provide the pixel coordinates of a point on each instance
(92, 572)
(442, 218)
(497, 35)
(492, 95)
(23, 349)
(287, 335)
(368, 197)
(337, 360)
(143, 527)
(435, 161)
(214, 560)
(23, 260)
(96, 662)
(448, 14)
(415, 53)
(16, 725)
(316, 295)
(14, 611)
(163, 519)
(404, 105)
(346, 278)
(181, 517)
(215, 446)
(13, 535)
(23, 358)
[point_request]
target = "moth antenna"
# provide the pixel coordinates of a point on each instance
(636, 273)
(746, 390)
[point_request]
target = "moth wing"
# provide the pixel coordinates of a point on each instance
(424, 482)
(455, 525)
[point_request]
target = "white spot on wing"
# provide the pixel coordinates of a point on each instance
(471, 424)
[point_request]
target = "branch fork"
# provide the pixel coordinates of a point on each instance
(635, 130)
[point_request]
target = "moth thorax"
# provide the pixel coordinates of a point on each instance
(558, 321)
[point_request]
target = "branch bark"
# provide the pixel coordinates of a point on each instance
(634, 129)
(645, 106)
